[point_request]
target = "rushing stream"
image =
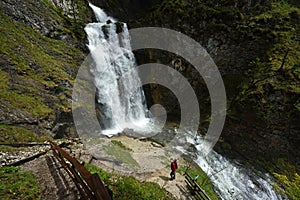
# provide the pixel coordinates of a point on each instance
(232, 180)
(121, 108)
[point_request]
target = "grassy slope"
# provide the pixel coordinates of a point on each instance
(17, 185)
(37, 72)
(203, 180)
(36, 76)
(127, 187)
(22, 48)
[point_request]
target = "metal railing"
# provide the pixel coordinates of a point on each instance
(196, 190)
(89, 185)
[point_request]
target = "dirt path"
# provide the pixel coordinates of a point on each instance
(152, 163)
(176, 187)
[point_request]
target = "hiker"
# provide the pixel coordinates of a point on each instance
(173, 168)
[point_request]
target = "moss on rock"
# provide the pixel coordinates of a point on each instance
(36, 76)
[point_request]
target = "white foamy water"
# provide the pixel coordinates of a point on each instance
(122, 105)
(231, 180)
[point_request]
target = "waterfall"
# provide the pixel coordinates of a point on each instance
(121, 105)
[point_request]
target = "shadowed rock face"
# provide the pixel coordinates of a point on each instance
(126, 10)
(261, 117)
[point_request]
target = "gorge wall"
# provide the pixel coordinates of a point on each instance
(255, 45)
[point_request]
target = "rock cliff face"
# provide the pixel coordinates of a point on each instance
(255, 45)
(125, 9)
(58, 19)
(42, 47)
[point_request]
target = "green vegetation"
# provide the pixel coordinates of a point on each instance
(277, 70)
(38, 73)
(38, 64)
(120, 153)
(17, 185)
(71, 25)
(10, 134)
(291, 185)
(127, 187)
(27, 102)
(6, 148)
(288, 179)
(15, 134)
(120, 144)
(203, 180)
(287, 176)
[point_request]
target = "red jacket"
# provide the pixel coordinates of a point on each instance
(173, 166)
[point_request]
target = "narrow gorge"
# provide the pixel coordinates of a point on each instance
(254, 44)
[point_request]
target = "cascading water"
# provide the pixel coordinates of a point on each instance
(122, 109)
(115, 78)
(232, 181)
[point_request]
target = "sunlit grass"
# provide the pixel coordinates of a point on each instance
(127, 187)
(17, 185)
(120, 154)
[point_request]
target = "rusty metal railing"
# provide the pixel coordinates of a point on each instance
(89, 185)
(197, 191)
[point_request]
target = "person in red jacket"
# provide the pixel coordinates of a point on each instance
(173, 168)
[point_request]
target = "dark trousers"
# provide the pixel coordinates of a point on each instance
(172, 174)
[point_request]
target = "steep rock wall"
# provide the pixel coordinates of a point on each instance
(42, 47)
